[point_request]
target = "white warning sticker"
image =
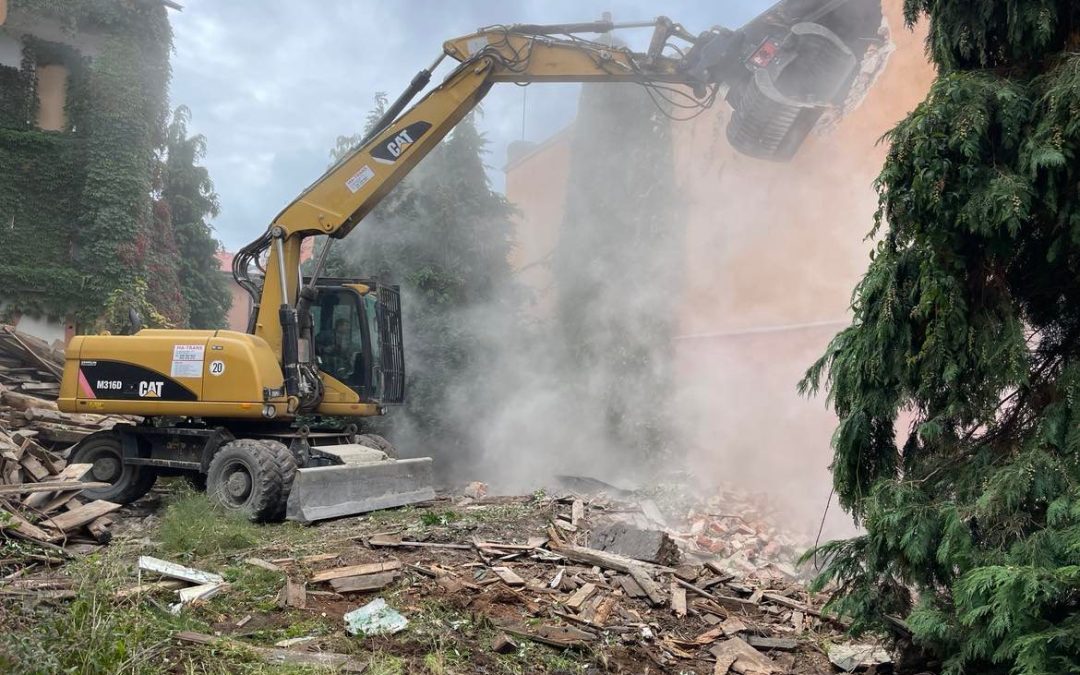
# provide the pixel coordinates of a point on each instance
(187, 361)
(360, 179)
(186, 369)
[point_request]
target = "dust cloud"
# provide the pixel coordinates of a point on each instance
(680, 292)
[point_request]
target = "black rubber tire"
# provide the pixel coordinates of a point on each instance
(250, 477)
(379, 443)
(128, 483)
(286, 464)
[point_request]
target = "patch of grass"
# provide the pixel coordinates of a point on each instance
(439, 518)
(444, 662)
(193, 527)
(382, 663)
(92, 633)
(250, 589)
(532, 657)
(499, 513)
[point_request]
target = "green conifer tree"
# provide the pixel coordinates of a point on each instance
(967, 321)
(188, 194)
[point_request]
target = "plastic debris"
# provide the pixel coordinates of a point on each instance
(855, 656)
(375, 618)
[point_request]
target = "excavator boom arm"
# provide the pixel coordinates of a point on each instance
(760, 67)
(350, 189)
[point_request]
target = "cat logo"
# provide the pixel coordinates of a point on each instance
(389, 150)
(150, 389)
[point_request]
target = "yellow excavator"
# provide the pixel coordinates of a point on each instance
(224, 405)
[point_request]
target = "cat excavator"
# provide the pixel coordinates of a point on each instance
(242, 410)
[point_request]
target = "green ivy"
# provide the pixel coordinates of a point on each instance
(76, 208)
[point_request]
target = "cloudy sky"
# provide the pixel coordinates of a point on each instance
(272, 83)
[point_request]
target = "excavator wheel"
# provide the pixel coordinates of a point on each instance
(252, 477)
(379, 443)
(105, 453)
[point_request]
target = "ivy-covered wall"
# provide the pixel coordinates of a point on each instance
(76, 206)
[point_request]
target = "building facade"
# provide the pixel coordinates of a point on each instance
(772, 254)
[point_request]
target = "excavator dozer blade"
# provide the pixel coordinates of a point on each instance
(366, 480)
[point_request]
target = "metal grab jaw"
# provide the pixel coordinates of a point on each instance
(365, 480)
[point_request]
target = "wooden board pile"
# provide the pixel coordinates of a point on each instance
(30, 373)
(30, 365)
(39, 499)
(39, 492)
(41, 419)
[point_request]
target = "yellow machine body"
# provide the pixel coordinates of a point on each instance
(186, 373)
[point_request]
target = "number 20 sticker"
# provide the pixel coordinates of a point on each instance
(217, 367)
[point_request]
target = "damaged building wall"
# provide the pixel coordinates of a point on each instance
(771, 254)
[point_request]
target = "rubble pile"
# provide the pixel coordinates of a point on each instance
(599, 577)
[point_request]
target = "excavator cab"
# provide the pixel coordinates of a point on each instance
(357, 337)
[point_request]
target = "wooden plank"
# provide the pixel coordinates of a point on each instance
(727, 601)
(580, 596)
(59, 500)
(293, 594)
(139, 589)
(33, 467)
(259, 562)
(364, 583)
(356, 570)
(678, 600)
(72, 472)
(394, 542)
(169, 569)
(610, 561)
(656, 596)
(99, 529)
(779, 644)
(57, 433)
(78, 419)
(577, 513)
(65, 522)
(508, 576)
(14, 399)
(201, 592)
(306, 560)
(732, 625)
(277, 656)
(48, 487)
(23, 527)
(630, 587)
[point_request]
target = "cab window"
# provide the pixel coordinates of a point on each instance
(339, 335)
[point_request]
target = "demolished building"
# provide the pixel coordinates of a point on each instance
(771, 252)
